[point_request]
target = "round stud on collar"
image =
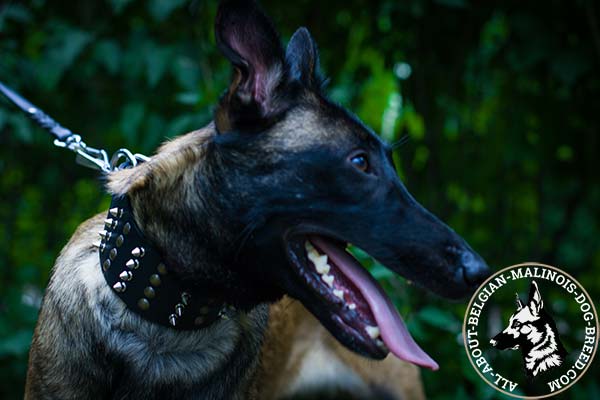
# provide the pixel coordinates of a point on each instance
(143, 303)
(120, 287)
(149, 292)
(162, 269)
(204, 310)
(132, 264)
(126, 275)
(126, 228)
(185, 298)
(113, 254)
(120, 240)
(138, 252)
(155, 280)
(106, 264)
(173, 319)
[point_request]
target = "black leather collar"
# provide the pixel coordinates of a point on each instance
(135, 271)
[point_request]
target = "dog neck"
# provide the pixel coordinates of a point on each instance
(179, 203)
(544, 354)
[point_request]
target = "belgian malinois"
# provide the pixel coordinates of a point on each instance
(261, 203)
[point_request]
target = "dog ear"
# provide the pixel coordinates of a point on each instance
(535, 299)
(247, 38)
(519, 302)
(302, 58)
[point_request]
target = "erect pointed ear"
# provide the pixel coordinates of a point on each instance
(520, 304)
(248, 39)
(535, 299)
(302, 57)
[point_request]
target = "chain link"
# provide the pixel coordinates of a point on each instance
(91, 157)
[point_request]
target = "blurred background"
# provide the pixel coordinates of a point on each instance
(500, 100)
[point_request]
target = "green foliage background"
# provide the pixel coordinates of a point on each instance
(501, 101)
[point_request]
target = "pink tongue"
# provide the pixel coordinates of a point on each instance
(392, 327)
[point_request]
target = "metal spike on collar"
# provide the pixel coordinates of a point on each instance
(138, 252)
(132, 264)
(120, 287)
(126, 275)
(116, 212)
(179, 309)
(110, 223)
(173, 319)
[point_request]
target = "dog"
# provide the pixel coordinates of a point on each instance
(532, 330)
(188, 293)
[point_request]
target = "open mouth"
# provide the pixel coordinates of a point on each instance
(357, 306)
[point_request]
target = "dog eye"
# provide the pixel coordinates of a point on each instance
(360, 162)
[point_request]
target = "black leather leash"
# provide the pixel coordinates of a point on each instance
(131, 265)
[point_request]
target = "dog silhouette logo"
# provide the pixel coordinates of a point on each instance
(533, 331)
(536, 346)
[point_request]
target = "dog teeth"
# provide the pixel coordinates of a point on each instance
(321, 264)
(319, 260)
(339, 293)
(352, 306)
(372, 331)
(328, 279)
(308, 246)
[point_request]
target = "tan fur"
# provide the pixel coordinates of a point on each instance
(172, 162)
(297, 351)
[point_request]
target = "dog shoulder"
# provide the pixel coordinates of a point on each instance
(300, 358)
(65, 317)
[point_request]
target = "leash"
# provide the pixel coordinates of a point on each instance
(131, 265)
(86, 156)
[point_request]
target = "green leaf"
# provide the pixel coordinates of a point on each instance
(179, 125)
(131, 118)
(157, 58)
(161, 9)
(452, 3)
(119, 5)
(16, 344)
(22, 128)
(63, 47)
(439, 318)
(108, 54)
(188, 98)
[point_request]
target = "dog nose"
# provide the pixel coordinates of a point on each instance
(475, 269)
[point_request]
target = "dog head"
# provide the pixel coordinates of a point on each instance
(526, 326)
(284, 183)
